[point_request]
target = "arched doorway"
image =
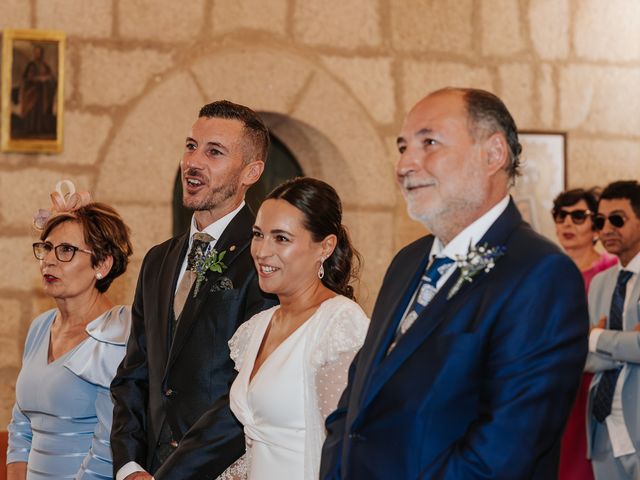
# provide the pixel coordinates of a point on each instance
(280, 166)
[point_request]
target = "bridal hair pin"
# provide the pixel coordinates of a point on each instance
(64, 198)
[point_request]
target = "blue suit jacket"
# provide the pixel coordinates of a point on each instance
(481, 385)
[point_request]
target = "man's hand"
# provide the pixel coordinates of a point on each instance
(139, 476)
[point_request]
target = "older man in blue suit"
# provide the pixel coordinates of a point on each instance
(479, 334)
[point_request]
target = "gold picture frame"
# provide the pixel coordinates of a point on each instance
(32, 91)
(544, 176)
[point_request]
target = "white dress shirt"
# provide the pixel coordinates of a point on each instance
(215, 230)
(621, 443)
(471, 235)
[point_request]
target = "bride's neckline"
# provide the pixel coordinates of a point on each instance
(256, 367)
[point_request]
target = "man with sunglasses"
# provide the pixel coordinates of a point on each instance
(614, 343)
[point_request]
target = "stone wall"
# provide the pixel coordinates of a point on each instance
(333, 79)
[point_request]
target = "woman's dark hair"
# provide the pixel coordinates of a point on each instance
(322, 209)
(105, 233)
(571, 197)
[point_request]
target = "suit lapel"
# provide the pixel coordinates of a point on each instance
(234, 240)
(399, 294)
(633, 304)
(437, 310)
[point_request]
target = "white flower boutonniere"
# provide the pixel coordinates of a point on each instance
(203, 263)
(479, 258)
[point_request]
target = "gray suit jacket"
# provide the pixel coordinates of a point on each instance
(614, 347)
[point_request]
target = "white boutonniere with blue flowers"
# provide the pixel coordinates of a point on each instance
(479, 258)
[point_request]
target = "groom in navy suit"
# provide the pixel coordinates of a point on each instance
(171, 415)
(479, 334)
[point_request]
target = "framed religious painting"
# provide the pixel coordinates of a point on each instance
(32, 91)
(543, 178)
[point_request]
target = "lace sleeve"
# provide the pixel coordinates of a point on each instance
(337, 336)
(240, 340)
(344, 332)
(239, 470)
(331, 380)
(339, 343)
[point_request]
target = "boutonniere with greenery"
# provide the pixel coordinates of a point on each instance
(212, 261)
(477, 259)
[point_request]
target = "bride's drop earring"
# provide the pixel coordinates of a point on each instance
(321, 269)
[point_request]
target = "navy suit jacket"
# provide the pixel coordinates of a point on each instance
(481, 385)
(185, 380)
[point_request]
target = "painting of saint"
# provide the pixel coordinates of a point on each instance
(32, 84)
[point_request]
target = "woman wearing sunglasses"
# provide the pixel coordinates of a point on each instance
(62, 416)
(574, 214)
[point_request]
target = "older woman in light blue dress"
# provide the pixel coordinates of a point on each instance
(62, 415)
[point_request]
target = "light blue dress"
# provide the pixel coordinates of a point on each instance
(62, 416)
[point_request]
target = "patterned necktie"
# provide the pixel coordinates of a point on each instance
(199, 247)
(426, 291)
(606, 387)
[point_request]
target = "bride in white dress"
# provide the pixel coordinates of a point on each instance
(292, 359)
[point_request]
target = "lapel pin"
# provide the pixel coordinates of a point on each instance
(232, 248)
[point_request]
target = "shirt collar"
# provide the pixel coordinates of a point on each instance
(216, 228)
(470, 235)
(632, 266)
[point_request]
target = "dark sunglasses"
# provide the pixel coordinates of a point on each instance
(616, 220)
(578, 217)
(64, 252)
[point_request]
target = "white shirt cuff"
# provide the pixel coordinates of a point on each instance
(593, 339)
(128, 469)
(621, 443)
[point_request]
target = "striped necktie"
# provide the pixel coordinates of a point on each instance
(199, 247)
(606, 388)
(426, 290)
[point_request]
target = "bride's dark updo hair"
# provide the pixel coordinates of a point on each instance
(322, 209)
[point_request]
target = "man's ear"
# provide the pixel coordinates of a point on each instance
(497, 152)
(251, 172)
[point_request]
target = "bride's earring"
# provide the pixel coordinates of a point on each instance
(321, 269)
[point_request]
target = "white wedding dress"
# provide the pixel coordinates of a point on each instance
(284, 406)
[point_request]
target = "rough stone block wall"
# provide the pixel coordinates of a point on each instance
(334, 79)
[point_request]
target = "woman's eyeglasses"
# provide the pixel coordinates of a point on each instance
(578, 217)
(64, 252)
(616, 220)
